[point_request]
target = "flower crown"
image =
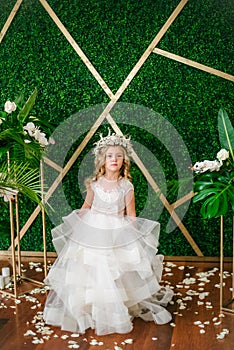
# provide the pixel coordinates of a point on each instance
(113, 140)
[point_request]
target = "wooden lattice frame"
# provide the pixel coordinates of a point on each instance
(106, 112)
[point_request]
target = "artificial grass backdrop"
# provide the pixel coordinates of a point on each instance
(114, 35)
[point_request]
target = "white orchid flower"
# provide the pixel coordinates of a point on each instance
(223, 154)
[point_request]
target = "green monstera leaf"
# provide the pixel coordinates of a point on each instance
(215, 187)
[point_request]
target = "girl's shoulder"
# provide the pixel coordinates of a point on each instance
(126, 184)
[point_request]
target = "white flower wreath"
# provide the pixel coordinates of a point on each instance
(113, 140)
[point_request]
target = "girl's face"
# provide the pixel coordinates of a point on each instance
(114, 159)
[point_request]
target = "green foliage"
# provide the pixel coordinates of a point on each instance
(114, 35)
(216, 188)
(226, 132)
(22, 178)
(21, 145)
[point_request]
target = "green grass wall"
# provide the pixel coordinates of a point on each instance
(114, 35)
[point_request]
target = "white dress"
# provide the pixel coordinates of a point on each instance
(107, 271)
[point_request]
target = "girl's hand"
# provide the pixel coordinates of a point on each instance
(88, 199)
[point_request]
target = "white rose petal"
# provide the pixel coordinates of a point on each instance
(38, 341)
(128, 341)
(192, 292)
(167, 269)
(64, 337)
(203, 295)
(190, 280)
(29, 332)
(225, 330)
(220, 336)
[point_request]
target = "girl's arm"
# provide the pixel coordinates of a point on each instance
(88, 199)
(130, 203)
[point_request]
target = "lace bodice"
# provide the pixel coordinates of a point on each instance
(110, 196)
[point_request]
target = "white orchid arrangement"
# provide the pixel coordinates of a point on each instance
(35, 132)
(22, 146)
(30, 128)
(20, 133)
(214, 179)
(212, 165)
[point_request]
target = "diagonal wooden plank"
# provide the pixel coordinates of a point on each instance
(109, 106)
(76, 48)
(10, 19)
(150, 49)
(194, 64)
(182, 200)
(53, 164)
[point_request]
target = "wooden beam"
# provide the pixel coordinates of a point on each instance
(182, 200)
(75, 46)
(194, 64)
(150, 48)
(36, 256)
(10, 19)
(52, 164)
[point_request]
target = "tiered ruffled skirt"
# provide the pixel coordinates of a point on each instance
(107, 272)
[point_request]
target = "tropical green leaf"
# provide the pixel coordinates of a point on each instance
(24, 112)
(231, 195)
(20, 177)
(13, 141)
(205, 193)
(3, 114)
(215, 206)
(226, 132)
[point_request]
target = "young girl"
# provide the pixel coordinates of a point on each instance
(107, 271)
